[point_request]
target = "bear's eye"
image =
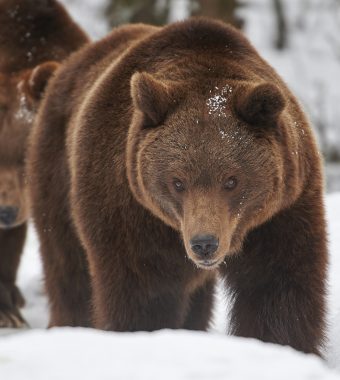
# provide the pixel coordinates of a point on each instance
(178, 185)
(230, 183)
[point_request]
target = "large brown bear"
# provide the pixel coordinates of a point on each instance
(34, 35)
(162, 157)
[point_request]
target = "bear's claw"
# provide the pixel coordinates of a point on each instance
(12, 319)
(11, 300)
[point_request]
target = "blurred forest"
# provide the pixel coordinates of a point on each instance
(300, 39)
(159, 12)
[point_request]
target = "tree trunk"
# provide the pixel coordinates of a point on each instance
(224, 10)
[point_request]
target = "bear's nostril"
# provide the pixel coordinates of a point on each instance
(8, 215)
(204, 245)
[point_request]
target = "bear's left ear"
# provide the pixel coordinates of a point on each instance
(39, 77)
(259, 105)
(152, 97)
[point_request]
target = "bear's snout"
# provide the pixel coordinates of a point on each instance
(206, 228)
(204, 246)
(8, 216)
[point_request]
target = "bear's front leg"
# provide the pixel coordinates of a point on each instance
(135, 299)
(200, 309)
(278, 280)
(11, 246)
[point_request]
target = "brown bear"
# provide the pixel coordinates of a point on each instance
(162, 157)
(34, 36)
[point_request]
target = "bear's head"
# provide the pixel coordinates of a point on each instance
(206, 161)
(20, 94)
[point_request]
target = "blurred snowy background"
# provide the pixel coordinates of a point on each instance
(300, 38)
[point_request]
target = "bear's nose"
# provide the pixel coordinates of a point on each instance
(8, 215)
(204, 245)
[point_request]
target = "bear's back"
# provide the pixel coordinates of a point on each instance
(76, 78)
(34, 31)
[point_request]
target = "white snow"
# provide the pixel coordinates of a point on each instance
(23, 112)
(166, 355)
(179, 10)
(87, 354)
(89, 14)
(30, 282)
(217, 102)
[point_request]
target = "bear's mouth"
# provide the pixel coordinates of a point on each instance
(208, 264)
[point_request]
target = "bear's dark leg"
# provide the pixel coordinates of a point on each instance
(200, 308)
(278, 280)
(137, 312)
(127, 301)
(11, 246)
(66, 277)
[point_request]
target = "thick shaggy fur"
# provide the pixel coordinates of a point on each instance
(168, 134)
(34, 37)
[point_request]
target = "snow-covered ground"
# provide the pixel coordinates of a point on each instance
(75, 353)
(65, 354)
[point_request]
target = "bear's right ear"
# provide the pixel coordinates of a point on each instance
(39, 77)
(259, 105)
(152, 97)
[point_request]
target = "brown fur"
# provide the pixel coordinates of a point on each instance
(169, 134)
(34, 37)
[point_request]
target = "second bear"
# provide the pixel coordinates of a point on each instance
(35, 36)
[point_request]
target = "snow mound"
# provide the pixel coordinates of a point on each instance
(89, 354)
